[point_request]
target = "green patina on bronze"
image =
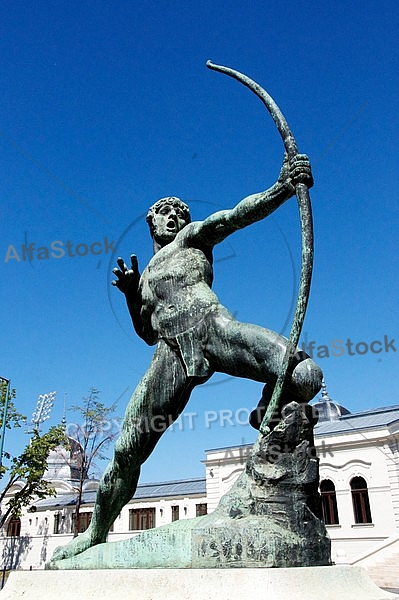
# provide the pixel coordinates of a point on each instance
(173, 306)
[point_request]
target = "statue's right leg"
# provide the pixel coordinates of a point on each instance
(157, 401)
(246, 350)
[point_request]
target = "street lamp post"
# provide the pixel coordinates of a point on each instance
(3, 431)
(3, 425)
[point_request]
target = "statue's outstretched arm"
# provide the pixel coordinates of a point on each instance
(255, 207)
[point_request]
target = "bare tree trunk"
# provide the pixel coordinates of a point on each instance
(78, 505)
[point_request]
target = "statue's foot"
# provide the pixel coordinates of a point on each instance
(79, 544)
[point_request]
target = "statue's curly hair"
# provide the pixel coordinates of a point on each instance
(155, 208)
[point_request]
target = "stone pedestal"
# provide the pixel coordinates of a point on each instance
(302, 583)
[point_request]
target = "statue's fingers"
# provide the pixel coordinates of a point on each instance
(301, 162)
(121, 264)
(134, 262)
(118, 273)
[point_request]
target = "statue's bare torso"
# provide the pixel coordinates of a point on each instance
(175, 287)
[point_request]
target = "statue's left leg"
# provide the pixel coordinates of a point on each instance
(157, 401)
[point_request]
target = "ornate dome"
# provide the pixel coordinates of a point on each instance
(327, 409)
(63, 463)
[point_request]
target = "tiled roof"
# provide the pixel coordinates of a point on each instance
(367, 419)
(185, 487)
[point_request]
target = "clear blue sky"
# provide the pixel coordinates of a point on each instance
(107, 107)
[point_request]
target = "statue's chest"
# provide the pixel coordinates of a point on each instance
(187, 265)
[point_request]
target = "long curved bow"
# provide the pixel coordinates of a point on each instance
(305, 213)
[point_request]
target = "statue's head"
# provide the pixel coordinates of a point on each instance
(166, 218)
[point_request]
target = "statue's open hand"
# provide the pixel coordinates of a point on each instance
(128, 279)
(300, 170)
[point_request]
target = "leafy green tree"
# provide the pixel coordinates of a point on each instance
(29, 467)
(93, 436)
(14, 419)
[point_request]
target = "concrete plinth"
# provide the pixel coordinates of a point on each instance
(301, 583)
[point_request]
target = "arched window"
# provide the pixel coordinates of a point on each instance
(329, 502)
(360, 500)
(14, 528)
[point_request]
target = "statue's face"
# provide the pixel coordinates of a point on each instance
(167, 223)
